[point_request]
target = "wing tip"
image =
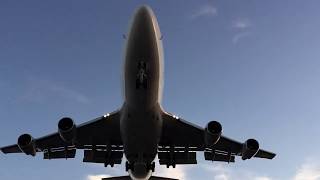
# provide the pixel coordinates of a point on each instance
(10, 149)
(3, 151)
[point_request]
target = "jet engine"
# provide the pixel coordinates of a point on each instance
(250, 148)
(67, 130)
(212, 132)
(27, 144)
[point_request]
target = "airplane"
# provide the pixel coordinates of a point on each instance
(141, 129)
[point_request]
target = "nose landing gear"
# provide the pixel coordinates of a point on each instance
(141, 80)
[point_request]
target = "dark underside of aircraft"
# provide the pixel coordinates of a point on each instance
(141, 129)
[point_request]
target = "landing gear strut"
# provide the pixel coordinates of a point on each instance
(129, 166)
(152, 166)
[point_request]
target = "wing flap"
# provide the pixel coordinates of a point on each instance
(65, 154)
(167, 158)
(218, 157)
(110, 157)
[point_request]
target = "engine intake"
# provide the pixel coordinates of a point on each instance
(250, 148)
(213, 132)
(67, 130)
(27, 144)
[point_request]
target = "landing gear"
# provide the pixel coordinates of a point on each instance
(152, 166)
(141, 83)
(129, 166)
(173, 165)
(107, 163)
(141, 80)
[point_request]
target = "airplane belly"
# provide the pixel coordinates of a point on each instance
(141, 131)
(141, 122)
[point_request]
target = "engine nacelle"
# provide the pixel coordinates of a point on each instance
(213, 132)
(27, 144)
(67, 130)
(250, 148)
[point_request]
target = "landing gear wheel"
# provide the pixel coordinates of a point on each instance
(127, 166)
(153, 166)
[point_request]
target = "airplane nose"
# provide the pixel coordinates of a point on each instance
(142, 21)
(143, 12)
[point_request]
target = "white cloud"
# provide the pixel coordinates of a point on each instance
(221, 177)
(310, 170)
(262, 178)
(223, 173)
(239, 36)
(241, 24)
(69, 93)
(97, 177)
(206, 10)
(39, 90)
(179, 172)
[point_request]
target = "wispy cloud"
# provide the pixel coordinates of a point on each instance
(206, 10)
(241, 27)
(309, 170)
(39, 90)
(97, 177)
(241, 23)
(223, 173)
(237, 37)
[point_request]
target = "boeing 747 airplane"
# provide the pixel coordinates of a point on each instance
(141, 129)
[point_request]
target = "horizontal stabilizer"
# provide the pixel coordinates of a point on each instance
(128, 178)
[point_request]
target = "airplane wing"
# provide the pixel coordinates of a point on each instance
(180, 136)
(99, 135)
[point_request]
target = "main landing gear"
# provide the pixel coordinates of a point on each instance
(130, 166)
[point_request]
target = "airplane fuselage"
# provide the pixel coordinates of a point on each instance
(145, 128)
(141, 121)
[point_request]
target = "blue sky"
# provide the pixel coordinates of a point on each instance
(252, 65)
